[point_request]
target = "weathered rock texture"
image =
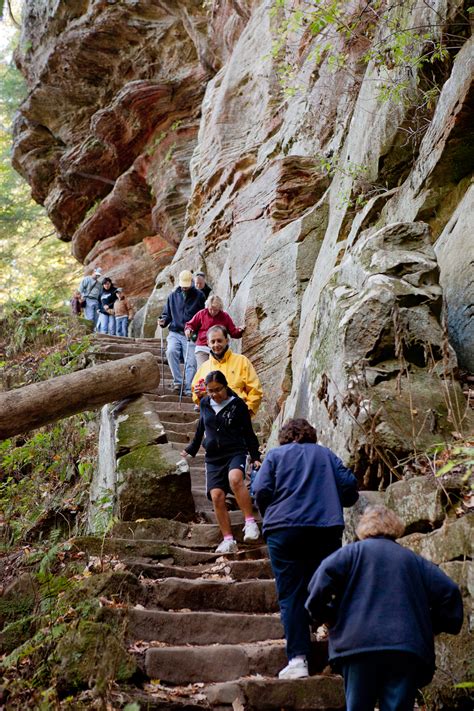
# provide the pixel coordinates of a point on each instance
(140, 474)
(151, 128)
(335, 224)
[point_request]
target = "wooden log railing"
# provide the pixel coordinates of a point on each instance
(31, 406)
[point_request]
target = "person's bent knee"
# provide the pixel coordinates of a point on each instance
(236, 479)
(217, 496)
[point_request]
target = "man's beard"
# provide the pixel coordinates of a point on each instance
(221, 355)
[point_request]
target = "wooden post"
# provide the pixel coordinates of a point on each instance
(31, 406)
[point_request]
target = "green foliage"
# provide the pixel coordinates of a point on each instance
(32, 259)
(35, 323)
(396, 50)
(49, 469)
(460, 458)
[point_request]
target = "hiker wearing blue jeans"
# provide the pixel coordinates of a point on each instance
(383, 604)
(181, 305)
(300, 490)
(90, 290)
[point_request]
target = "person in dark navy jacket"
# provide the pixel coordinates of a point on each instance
(182, 304)
(383, 604)
(300, 491)
(225, 429)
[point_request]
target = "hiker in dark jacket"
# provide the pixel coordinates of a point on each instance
(107, 299)
(182, 304)
(300, 491)
(226, 428)
(383, 604)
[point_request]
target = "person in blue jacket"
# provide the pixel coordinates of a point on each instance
(182, 304)
(383, 604)
(300, 490)
(225, 429)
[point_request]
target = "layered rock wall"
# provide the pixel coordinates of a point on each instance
(160, 136)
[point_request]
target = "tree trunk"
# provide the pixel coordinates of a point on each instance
(35, 405)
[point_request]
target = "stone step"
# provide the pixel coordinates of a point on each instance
(169, 398)
(187, 428)
(179, 437)
(223, 662)
(102, 338)
(315, 693)
(201, 502)
(236, 569)
(176, 414)
(197, 535)
(125, 547)
(201, 628)
(157, 550)
(247, 596)
(162, 405)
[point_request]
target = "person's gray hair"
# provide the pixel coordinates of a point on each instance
(379, 521)
(214, 299)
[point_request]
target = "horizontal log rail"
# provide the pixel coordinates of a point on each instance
(31, 406)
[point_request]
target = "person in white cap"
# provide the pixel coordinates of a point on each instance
(181, 305)
(90, 290)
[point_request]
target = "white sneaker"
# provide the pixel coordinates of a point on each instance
(251, 532)
(297, 668)
(229, 546)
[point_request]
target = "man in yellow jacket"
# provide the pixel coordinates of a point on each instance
(238, 370)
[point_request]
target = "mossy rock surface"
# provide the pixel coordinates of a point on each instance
(117, 586)
(19, 598)
(138, 425)
(16, 633)
(91, 654)
(154, 482)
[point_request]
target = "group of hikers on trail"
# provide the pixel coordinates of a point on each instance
(104, 304)
(382, 603)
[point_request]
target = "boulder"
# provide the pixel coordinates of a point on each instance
(453, 540)
(91, 654)
(419, 502)
(154, 481)
(137, 425)
(452, 248)
(353, 514)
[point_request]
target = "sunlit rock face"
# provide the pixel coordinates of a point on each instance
(159, 137)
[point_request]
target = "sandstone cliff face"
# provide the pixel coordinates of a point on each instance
(159, 137)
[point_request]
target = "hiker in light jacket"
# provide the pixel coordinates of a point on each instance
(383, 604)
(237, 368)
(300, 491)
(226, 431)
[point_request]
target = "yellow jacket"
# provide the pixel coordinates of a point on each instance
(240, 375)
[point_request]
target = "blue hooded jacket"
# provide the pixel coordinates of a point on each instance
(377, 595)
(181, 306)
(303, 485)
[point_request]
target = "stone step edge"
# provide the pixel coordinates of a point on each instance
(321, 691)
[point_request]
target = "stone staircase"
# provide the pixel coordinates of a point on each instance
(205, 628)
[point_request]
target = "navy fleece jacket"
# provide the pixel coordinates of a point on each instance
(303, 485)
(181, 306)
(377, 595)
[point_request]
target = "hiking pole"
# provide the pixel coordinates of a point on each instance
(162, 361)
(184, 373)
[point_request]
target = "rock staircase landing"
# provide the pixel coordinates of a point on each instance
(207, 627)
